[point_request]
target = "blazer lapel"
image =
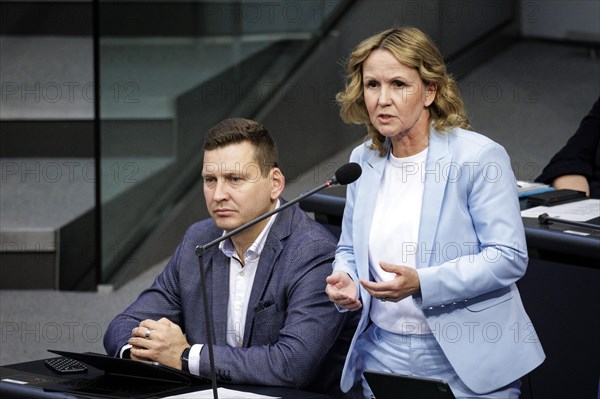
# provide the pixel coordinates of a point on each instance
(438, 159)
(373, 168)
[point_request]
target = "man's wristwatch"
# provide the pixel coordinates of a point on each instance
(185, 359)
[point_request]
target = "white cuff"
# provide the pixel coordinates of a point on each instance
(194, 360)
(123, 349)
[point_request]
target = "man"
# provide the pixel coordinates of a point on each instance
(273, 322)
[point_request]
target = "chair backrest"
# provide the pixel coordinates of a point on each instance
(328, 210)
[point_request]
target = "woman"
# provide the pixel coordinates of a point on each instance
(432, 241)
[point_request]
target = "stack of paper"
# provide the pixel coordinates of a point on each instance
(580, 211)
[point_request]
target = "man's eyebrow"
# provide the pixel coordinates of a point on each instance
(231, 175)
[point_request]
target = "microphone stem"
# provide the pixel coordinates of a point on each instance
(573, 223)
(208, 323)
(266, 215)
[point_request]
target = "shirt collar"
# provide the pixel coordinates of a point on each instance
(256, 247)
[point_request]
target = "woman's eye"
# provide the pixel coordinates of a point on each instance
(398, 83)
(371, 83)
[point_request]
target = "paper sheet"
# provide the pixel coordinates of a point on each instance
(579, 211)
(223, 393)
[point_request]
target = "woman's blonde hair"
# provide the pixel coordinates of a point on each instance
(414, 49)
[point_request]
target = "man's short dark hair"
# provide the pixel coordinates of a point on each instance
(238, 130)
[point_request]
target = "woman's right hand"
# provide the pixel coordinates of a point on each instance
(342, 291)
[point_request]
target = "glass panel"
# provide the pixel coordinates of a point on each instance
(169, 71)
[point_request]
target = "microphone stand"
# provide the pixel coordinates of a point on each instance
(207, 321)
(200, 249)
(544, 218)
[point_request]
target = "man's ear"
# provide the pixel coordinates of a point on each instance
(277, 183)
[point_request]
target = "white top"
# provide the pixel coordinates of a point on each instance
(394, 237)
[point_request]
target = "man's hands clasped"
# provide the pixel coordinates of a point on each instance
(158, 341)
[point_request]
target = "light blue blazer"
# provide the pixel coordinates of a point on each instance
(471, 252)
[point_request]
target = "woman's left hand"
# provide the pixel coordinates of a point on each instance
(403, 285)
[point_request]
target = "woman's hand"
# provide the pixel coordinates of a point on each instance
(342, 291)
(403, 285)
(573, 182)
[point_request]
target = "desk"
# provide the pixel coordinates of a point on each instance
(37, 368)
(553, 240)
(561, 294)
(549, 238)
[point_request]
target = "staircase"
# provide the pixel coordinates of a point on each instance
(168, 71)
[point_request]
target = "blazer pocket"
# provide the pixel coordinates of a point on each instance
(490, 299)
(268, 321)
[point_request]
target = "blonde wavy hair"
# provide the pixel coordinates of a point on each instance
(414, 49)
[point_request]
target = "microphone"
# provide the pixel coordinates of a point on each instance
(345, 174)
(544, 218)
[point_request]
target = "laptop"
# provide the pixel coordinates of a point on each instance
(124, 378)
(397, 386)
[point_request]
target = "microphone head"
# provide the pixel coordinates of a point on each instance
(544, 218)
(347, 174)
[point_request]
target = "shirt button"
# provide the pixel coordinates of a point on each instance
(242, 273)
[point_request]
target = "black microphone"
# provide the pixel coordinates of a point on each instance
(346, 174)
(544, 218)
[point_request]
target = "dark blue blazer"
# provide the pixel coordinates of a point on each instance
(293, 337)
